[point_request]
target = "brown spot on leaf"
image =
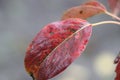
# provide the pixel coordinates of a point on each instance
(81, 12)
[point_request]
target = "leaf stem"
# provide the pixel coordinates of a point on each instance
(94, 24)
(106, 22)
(112, 15)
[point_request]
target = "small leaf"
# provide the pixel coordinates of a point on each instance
(55, 47)
(84, 11)
(117, 71)
(117, 61)
(115, 6)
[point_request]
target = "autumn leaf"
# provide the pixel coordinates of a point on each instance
(89, 9)
(117, 61)
(84, 11)
(117, 72)
(56, 46)
(115, 6)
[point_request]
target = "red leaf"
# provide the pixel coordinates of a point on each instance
(55, 47)
(84, 11)
(96, 4)
(118, 71)
(115, 6)
(117, 61)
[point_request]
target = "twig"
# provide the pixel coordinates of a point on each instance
(112, 15)
(106, 22)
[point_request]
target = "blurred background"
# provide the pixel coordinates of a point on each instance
(21, 20)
